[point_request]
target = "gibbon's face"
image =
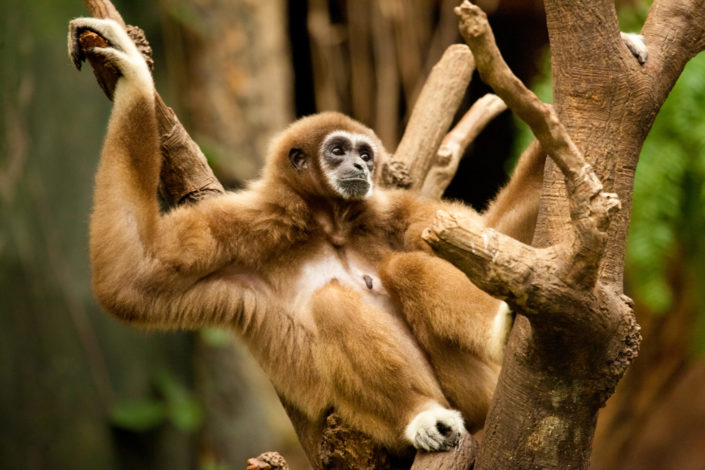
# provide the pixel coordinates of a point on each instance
(348, 162)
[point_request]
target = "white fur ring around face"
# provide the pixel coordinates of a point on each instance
(435, 429)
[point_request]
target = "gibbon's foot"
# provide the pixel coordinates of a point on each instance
(122, 52)
(635, 44)
(435, 429)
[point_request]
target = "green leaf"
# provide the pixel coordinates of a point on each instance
(216, 336)
(138, 415)
(183, 409)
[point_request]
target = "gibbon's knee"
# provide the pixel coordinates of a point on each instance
(438, 300)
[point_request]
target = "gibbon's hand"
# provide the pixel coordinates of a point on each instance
(122, 51)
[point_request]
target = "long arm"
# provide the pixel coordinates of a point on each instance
(512, 212)
(147, 267)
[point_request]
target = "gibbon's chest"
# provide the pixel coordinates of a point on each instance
(345, 266)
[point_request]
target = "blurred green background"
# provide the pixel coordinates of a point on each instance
(79, 390)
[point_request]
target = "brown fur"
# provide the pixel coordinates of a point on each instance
(283, 263)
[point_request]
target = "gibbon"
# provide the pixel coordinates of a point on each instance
(323, 275)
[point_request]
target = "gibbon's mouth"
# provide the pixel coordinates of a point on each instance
(353, 188)
(353, 180)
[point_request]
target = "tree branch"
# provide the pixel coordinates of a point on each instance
(674, 33)
(590, 207)
(457, 141)
(430, 120)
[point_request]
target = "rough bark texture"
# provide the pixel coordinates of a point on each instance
(577, 333)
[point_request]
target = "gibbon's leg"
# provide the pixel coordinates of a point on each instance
(461, 328)
(382, 383)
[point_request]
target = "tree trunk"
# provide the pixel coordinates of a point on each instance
(563, 363)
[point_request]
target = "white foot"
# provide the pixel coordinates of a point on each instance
(635, 43)
(435, 429)
(499, 334)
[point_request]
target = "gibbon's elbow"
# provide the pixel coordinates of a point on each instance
(117, 298)
(111, 303)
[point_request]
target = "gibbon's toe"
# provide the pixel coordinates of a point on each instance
(435, 429)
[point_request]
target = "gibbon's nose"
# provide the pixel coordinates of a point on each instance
(359, 166)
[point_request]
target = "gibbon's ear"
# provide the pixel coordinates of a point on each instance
(298, 159)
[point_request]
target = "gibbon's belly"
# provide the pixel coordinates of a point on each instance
(348, 270)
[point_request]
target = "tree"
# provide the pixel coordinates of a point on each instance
(575, 333)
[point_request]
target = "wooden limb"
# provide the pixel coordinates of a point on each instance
(590, 208)
(496, 263)
(433, 113)
(185, 174)
(674, 33)
(523, 102)
(104, 9)
(457, 141)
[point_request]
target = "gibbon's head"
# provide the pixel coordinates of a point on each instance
(327, 154)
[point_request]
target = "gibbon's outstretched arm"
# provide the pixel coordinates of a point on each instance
(135, 250)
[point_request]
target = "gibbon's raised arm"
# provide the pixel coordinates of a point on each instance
(134, 248)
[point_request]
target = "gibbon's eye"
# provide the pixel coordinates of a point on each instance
(366, 157)
(337, 151)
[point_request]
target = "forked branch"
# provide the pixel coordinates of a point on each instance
(496, 263)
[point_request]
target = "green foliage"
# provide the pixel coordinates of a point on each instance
(174, 403)
(138, 415)
(668, 219)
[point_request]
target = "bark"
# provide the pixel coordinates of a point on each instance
(576, 334)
